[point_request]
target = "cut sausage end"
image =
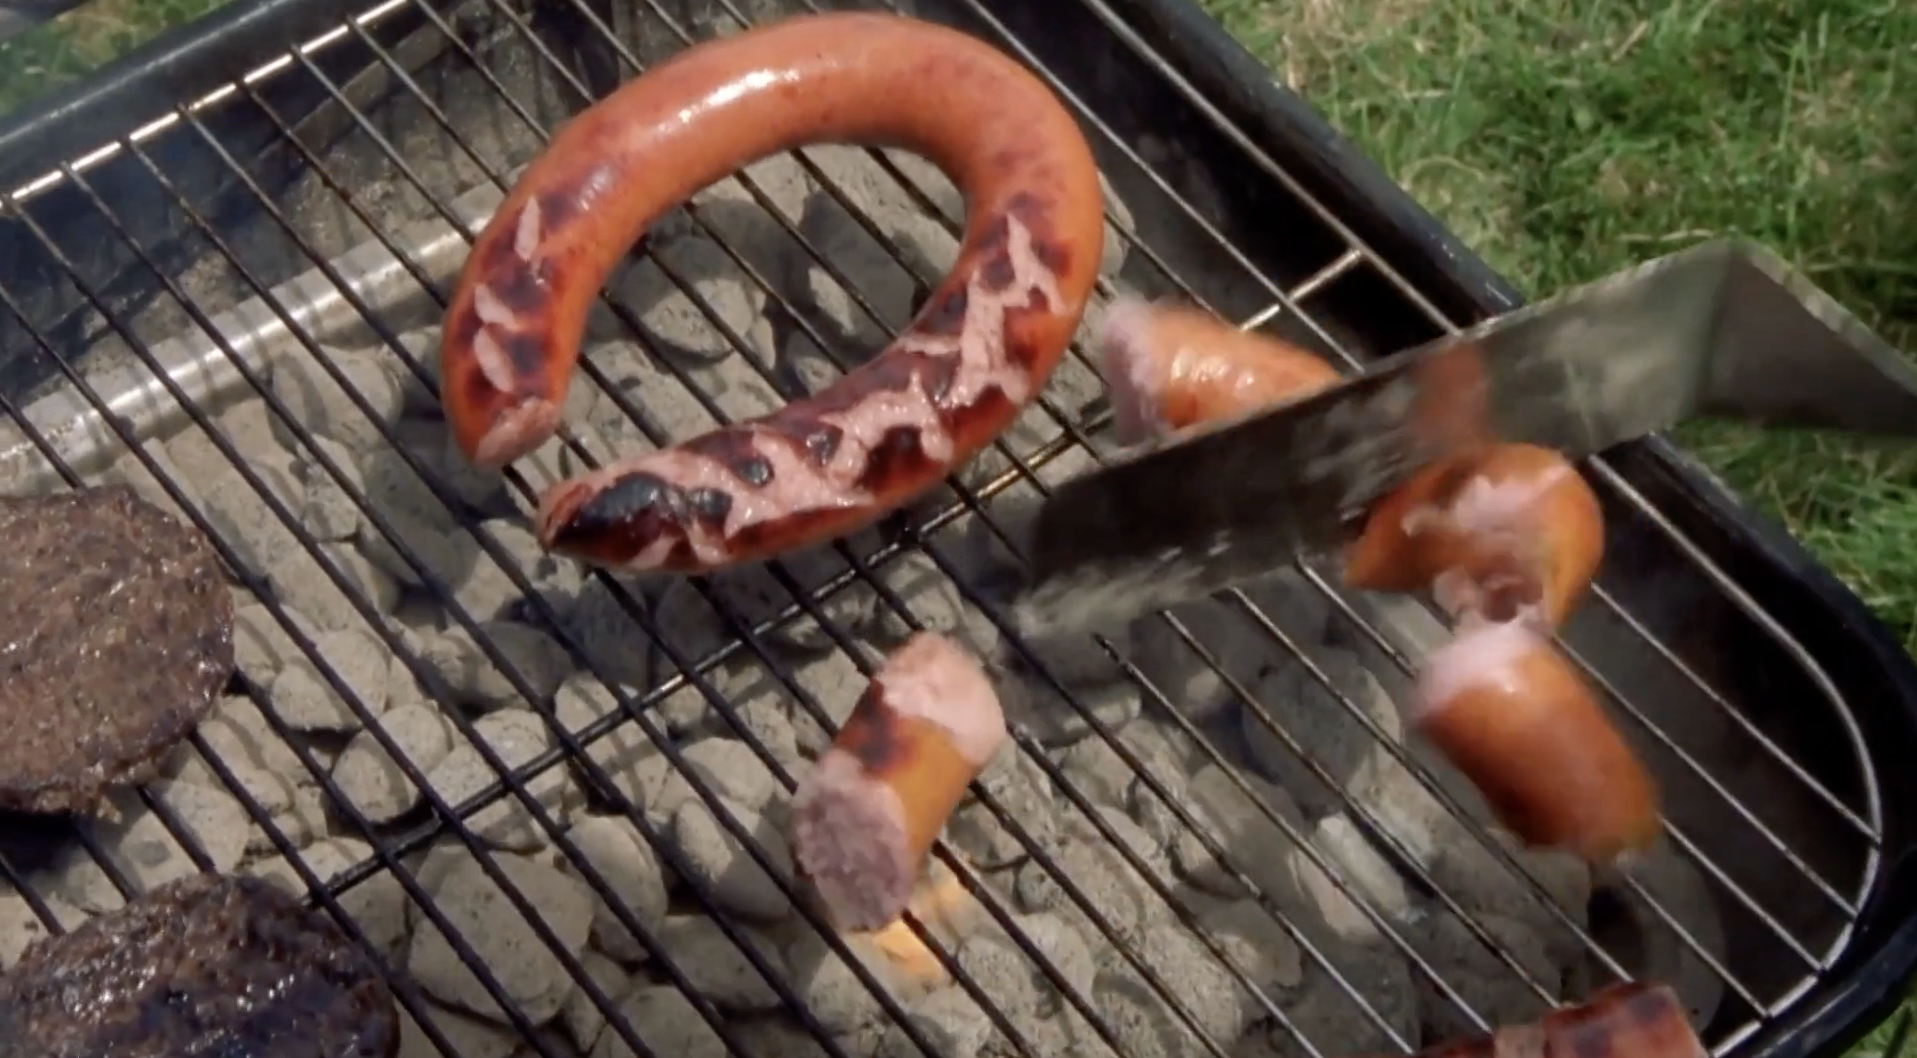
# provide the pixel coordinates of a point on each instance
(849, 838)
(1481, 657)
(1126, 360)
(1509, 711)
(558, 506)
(935, 680)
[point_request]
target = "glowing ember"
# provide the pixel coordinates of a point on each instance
(946, 909)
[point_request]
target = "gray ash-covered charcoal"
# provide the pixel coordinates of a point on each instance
(207, 966)
(118, 639)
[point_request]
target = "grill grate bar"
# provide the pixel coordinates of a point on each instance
(515, 778)
(426, 905)
(1285, 302)
(1324, 276)
(748, 634)
(526, 690)
(494, 873)
(1340, 266)
(1769, 745)
(145, 133)
(1678, 833)
(1157, 984)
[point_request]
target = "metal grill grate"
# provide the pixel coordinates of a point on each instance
(1279, 871)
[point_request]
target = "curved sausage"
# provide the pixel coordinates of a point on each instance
(1512, 713)
(1506, 539)
(866, 814)
(1510, 532)
(984, 344)
(1637, 1019)
(1168, 367)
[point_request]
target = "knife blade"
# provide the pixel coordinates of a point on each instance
(1723, 328)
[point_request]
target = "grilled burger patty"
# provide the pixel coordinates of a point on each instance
(117, 637)
(210, 966)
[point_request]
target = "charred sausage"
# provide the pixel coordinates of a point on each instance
(866, 814)
(984, 344)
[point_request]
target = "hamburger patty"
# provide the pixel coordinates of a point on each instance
(118, 637)
(209, 966)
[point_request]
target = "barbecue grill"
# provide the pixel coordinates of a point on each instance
(223, 259)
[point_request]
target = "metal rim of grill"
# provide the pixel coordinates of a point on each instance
(1813, 981)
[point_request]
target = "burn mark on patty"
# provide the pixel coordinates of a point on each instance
(996, 269)
(709, 506)
(526, 349)
(557, 208)
(628, 501)
(634, 511)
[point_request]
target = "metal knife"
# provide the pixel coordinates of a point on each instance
(1722, 329)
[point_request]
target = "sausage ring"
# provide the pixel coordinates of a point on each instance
(982, 347)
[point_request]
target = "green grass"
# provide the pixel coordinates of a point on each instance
(1563, 140)
(79, 41)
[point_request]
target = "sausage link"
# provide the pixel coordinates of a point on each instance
(1509, 532)
(865, 816)
(1509, 710)
(1168, 367)
(1506, 539)
(982, 347)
